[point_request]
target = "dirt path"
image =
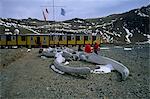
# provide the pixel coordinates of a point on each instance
(30, 77)
(24, 74)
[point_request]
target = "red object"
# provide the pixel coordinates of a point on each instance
(96, 46)
(40, 44)
(88, 48)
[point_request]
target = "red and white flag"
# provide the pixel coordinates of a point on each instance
(44, 16)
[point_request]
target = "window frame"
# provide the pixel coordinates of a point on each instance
(60, 38)
(78, 38)
(69, 38)
(93, 38)
(23, 38)
(8, 38)
(86, 38)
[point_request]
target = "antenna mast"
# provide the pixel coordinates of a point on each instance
(53, 12)
(53, 6)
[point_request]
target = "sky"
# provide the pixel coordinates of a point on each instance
(23, 9)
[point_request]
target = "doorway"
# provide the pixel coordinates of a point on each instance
(38, 41)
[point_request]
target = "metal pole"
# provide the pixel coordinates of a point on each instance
(54, 20)
(53, 12)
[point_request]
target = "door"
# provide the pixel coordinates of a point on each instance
(38, 42)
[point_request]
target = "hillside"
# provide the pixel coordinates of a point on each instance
(134, 22)
(128, 27)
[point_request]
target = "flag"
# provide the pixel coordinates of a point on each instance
(44, 16)
(63, 12)
(47, 10)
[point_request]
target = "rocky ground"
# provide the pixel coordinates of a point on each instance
(27, 76)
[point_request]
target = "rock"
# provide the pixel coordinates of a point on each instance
(130, 75)
(18, 93)
(29, 50)
(91, 89)
(47, 88)
(41, 77)
(43, 57)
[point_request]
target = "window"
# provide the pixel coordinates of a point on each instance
(72, 37)
(31, 38)
(55, 38)
(78, 38)
(60, 38)
(51, 38)
(85, 38)
(93, 38)
(89, 37)
(13, 37)
(44, 38)
(23, 38)
(2, 38)
(64, 37)
(68, 37)
(8, 38)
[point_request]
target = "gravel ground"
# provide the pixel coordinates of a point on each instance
(29, 77)
(8, 56)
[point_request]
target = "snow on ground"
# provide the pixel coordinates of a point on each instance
(118, 47)
(104, 48)
(142, 14)
(78, 21)
(23, 26)
(107, 37)
(116, 34)
(129, 34)
(127, 49)
(121, 19)
(148, 36)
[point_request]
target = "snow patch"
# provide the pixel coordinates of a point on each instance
(103, 69)
(127, 49)
(129, 34)
(104, 48)
(148, 36)
(117, 46)
(116, 34)
(78, 21)
(121, 18)
(142, 14)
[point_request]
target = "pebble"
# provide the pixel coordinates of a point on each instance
(91, 89)
(25, 76)
(47, 88)
(18, 93)
(41, 77)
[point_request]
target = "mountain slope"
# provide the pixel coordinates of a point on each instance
(135, 21)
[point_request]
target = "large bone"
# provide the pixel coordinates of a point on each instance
(94, 58)
(75, 70)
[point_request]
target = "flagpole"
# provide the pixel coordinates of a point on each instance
(44, 20)
(53, 12)
(54, 15)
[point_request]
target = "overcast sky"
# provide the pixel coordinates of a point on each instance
(21, 9)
